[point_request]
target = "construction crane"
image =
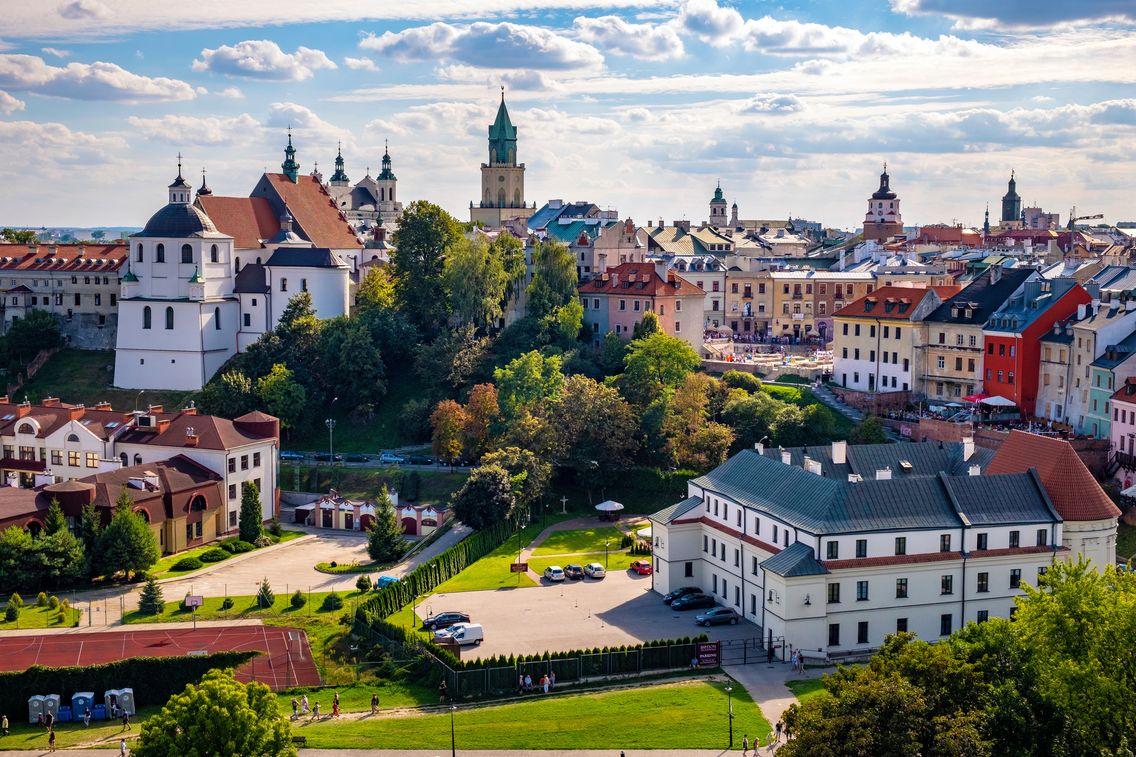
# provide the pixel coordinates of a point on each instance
(1073, 218)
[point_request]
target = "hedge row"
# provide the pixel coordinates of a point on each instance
(154, 679)
(655, 481)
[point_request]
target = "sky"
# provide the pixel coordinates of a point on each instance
(641, 106)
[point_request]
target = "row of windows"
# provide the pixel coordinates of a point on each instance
(59, 282)
(1001, 350)
(946, 624)
(244, 462)
(872, 331)
(186, 254)
(982, 543)
(971, 340)
(946, 585)
(256, 482)
(778, 532)
(147, 318)
(1003, 377)
(34, 300)
(941, 363)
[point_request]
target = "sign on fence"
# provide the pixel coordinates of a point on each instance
(708, 654)
(518, 567)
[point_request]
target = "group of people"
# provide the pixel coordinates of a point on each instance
(300, 707)
(779, 730)
(545, 684)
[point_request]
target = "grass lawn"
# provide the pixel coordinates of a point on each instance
(85, 376)
(38, 617)
(101, 733)
(357, 698)
(1125, 541)
(492, 571)
(645, 717)
(806, 689)
(616, 561)
(579, 540)
(281, 613)
(373, 436)
(164, 567)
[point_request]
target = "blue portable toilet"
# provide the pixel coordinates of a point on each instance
(80, 701)
(99, 712)
(64, 715)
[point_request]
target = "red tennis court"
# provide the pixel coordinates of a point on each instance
(287, 659)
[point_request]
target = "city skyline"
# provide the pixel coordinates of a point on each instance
(635, 105)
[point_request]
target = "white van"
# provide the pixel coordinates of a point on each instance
(462, 633)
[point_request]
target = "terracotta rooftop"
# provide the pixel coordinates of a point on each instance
(1071, 487)
(95, 258)
(208, 432)
(891, 303)
(248, 220)
(313, 210)
(642, 279)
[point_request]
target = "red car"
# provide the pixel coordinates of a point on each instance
(642, 567)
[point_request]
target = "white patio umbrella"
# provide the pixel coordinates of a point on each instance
(610, 506)
(997, 401)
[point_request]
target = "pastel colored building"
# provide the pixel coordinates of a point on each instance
(618, 299)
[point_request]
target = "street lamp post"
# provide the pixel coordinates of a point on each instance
(730, 711)
(330, 423)
(453, 745)
(607, 563)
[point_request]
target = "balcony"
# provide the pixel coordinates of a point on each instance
(1126, 460)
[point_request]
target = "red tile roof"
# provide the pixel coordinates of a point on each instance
(248, 220)
(210, 432)
(1074, 491)
(96, 258)
(646, 282)
(890, 303)
(315, 214)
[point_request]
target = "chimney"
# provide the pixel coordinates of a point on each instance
(151, 479)
(759, 447)
(4, 400)
(840, 452)
(23, 409)
(786, 457)
(974, 470)
(650, 224)
(76, 412)
(104, 405)
(154, 409)
(191, 439)
(50, 402)
(813, 466)
(1081, 311)
(883, 474)
(1096, 305)
(967, 448)
(191, 410)
(163, 424)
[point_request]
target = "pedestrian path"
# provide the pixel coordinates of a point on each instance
(827, 397)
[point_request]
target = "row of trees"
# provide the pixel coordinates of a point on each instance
(56, 557)
(1057, 680)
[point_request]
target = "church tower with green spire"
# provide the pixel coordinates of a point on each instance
(339, 178)
(502, 178)
(718, 208)
(290, 167)
(1012, 205)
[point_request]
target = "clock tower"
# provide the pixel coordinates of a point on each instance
(502, 178)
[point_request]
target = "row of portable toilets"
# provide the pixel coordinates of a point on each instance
(115, 702)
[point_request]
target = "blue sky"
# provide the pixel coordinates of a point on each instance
(638, 105)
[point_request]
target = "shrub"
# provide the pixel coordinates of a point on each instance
(187, 563)
(275, 528)
(363, 583)
(264, 596)
(741, 380)
(240, 547)
(298, 599)
(12, 614)
(213, 555)
(16, 600)
(626, 541)
(264, 540)
(53, 602)
(41, 599)
(227, 604)
(332, 602)
(151, 602)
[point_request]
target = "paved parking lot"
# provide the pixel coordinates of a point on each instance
(621, 609)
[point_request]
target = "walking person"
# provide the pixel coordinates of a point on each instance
(777, 731)
(86, 716)
(316, 711)
(295, 708)
(51, 740)
(769, 654)
(335, 709)
(122, 747)
(374, 703)
(442, 692)
(335, 699)
(4, 725)
(125, 720)
(552, 680)
(745, 745)
(304, 704)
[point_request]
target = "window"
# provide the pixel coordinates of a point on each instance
(284, 285)
(982, 541)
(983, 582)
(244, 462)
(72, 459)
(169, 318)
(1042, 537)
(56, 457)
(186, 253)
(862, 632)
(213, 256)
(1015, 539)
(861, 591)
(160, 254)
(248, 320)
(944, 542)
(678, 305)
(232, 491)
(233, 519)
(901, 588)
(833, 634)
(233, 466)
(146, 317)
(217, 318)
(737, 559)
(901, 625)
(303, 285)
(139, 258)
(947, 585)
(901, 545)
(834, 593)
(945, 624)
(983, 616)
(941, 362)
(774, 533)
(861, 548)
(256, 459)
(834, 550)
(688, 569)
(1015, 578)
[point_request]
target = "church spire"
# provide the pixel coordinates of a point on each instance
(180, 190)
(986, 222)
(386, 174)
(502, 137)
(340, 176)
(204, 189)
(290, 167)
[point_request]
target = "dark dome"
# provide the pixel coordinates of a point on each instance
(178, 220)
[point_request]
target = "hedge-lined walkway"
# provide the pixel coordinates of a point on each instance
(625, 525)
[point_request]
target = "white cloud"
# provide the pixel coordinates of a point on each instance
(56, 52)
(9, 104)
(462, 118)
(637, 115)
(710, 23)
(360, 64)
(53, 149)
(84, 10)
(1035, 14)
(299, 118)
(772, 103)
(231, 92)
(262, 59)
(485, 45)
(524, 81)
(197, 130)
(87, 81)
(614, 35)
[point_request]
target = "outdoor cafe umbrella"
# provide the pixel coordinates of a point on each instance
(997, 401)
(609, 506)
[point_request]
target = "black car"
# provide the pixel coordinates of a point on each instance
(357, 458)
(681, 593)
(444, 620)
(574, 572)
(323, 457)
(693, 602)
(420, 460)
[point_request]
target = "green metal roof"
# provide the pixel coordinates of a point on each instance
(795, 560)
(668, 514)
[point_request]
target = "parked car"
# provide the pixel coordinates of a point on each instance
(554, 573)
(685, 590)
(717, 616)
(594, 570)
(291, 456)
(391, 458)
(357, 458)
(575, 572)
(444, 620)
(420, 460)
(642, 567)
(326, 457)
(693, 602)
(384, 581)
(462, 633)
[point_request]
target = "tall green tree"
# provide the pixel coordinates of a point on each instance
(150, 601)
(647, 325)
(375, 291)
(450, 361)
(228, 395)
(653, 363)
(385, 542)
(218, 716)
(475, 278)
(90, 526)
(352, 368)
(425, 236)
(596, 431)
(283, 396)
(529, 474)
(126, 545)
(482, 411)
(22, 236)
(37, 330)
(58, 559)
(448, 423)
(511, 252)
(554, 278)
(251, 520)
(53, 521)
(485, 499)
(868, 431)
(530, 378)
(17, 571)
